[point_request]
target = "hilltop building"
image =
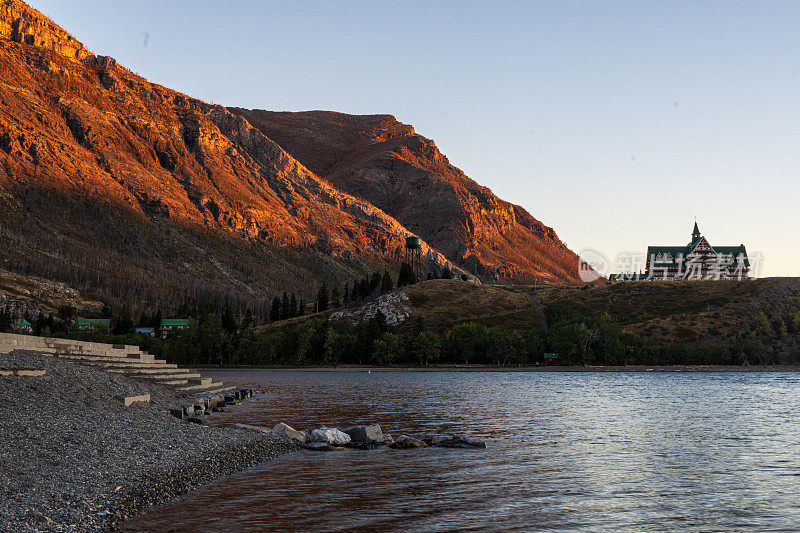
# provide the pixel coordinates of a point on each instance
(697, 260)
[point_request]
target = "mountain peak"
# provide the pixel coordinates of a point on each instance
(21, 23)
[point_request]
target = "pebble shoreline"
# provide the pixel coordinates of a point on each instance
(76, 459)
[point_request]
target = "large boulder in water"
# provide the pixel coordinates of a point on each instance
(332, 436)
(289, 431)
(367, 434)
(404, 442)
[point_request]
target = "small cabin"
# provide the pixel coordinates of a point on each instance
(21, 325)
(92, 324)
(170, 326)
(146, 331)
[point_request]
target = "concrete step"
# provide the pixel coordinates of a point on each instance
(162, 375)
(200, 380)
(108, 365)
(156, 370)
(208, 387)
(218, 390)
(172, 381)
(107, 359)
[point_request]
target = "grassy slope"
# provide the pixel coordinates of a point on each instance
(672, 312)
(679, 313)
(444, 303)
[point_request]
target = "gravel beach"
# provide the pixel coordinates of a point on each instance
(75, 459)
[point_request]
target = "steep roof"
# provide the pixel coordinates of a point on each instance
(174, 322)
(686, 250)
(664, 250)
(92, 321)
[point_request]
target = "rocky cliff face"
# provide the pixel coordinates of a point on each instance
(23, 24)
(384, 161)
(108, 179)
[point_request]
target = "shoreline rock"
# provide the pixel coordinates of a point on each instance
(332, 436)
(367, 435)
(406, 442)
(289, 432)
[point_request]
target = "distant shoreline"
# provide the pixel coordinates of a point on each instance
(490, 368)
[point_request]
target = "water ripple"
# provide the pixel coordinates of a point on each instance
(649, 451)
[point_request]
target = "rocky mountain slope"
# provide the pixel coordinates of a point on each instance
(403, 173)
(115, 184)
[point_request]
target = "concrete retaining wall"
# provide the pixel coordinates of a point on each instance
(13, 341)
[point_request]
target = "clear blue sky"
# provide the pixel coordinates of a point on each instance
(614, 122)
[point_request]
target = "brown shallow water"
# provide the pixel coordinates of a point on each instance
(650, 451)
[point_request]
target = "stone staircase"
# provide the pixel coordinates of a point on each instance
(117, 358)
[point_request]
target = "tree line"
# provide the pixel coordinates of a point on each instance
(369, 287)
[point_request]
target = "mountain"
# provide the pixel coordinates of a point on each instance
(403, 173)
(142, 194)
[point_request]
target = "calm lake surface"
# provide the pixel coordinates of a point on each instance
(649, 451)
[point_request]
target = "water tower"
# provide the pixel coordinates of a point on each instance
(414, 255)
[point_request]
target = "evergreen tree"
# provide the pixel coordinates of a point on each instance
(293, 306)
(447, 273)
(40, 324)
(346, 296)
(322, 297)
(335, 299)
(365, 293)
(380, 321)
(301, 308)
(374, 282)
(285, 306)
(156, 320)
(275, 310)
(123, 323)
(6, 319)
(228, 321)
(386, 283)
(406, 276)
(186, 310)
(66, 313)
(247, 321)
(361, 293)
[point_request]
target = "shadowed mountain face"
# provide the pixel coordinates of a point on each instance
(384, 161)
(115, 183)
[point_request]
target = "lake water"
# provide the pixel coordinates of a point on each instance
(649, 451)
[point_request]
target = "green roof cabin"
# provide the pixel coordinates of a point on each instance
(21, 325)
(172, 325)
(88, 324)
